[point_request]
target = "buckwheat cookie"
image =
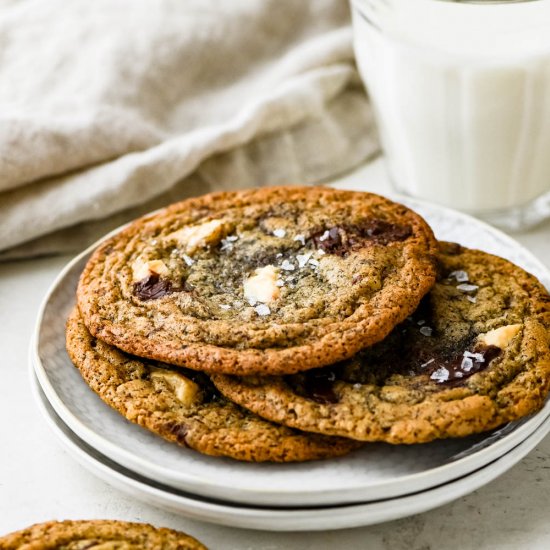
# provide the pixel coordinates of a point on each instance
(183, 406)
(271, 281)
(474, 355)
(98, 535)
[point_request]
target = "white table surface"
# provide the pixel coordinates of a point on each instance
(39, 481)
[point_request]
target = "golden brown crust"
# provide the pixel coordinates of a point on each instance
(104, 534)
(328, 314)
(394, 391)
(210, 424)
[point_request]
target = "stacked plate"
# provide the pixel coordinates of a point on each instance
(378, 483)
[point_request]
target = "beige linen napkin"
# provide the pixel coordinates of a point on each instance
(113, 107)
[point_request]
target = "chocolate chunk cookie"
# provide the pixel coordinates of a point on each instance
(474, 355)
(270, 281)
(98, 534)
(183, 406)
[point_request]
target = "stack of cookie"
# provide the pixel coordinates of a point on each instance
(291, 324)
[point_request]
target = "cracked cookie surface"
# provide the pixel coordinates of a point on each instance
(270, 281)
(473, 356)
(98, 534)
(183, 406)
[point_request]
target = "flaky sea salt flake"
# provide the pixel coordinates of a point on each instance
(225, 306)
(477, 357)
(287, 266)
(467, 364)
(324, 236)
(427, 363)
(426, 331)
(459, 276)
(226, 245)
(188, 260)
(262, 309)
(303, 259)
(313, 262)
(440, 375)
(465, 287)
(301, 239)
(280, 233)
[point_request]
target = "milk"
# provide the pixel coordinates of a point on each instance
(461, 94)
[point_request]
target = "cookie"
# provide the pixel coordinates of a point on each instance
(473, 356)
(184, 407)
(98, 534)
(263, 281)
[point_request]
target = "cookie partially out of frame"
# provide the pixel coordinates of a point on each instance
(272, 281)
(183, 406)
(98, 534)
(473, 356)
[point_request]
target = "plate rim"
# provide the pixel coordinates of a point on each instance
(307, 519)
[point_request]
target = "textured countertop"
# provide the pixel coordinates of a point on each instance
(39, 481)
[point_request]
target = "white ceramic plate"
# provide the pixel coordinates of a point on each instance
(278, 519)
(375, 472)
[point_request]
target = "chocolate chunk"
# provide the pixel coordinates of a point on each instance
(340, 240)
(153, 287)
(330, 241)
(459, 370)
(316, 384)
(179, 431)
(489, 353)
(380, 231)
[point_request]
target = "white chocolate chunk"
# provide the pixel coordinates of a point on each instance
(198, 236)
(185, 390)
(500, 337)
(142, 269)
(262, 285)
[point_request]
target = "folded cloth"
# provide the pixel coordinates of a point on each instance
(109, 109)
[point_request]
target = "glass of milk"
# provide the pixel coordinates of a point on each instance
(461, 93)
